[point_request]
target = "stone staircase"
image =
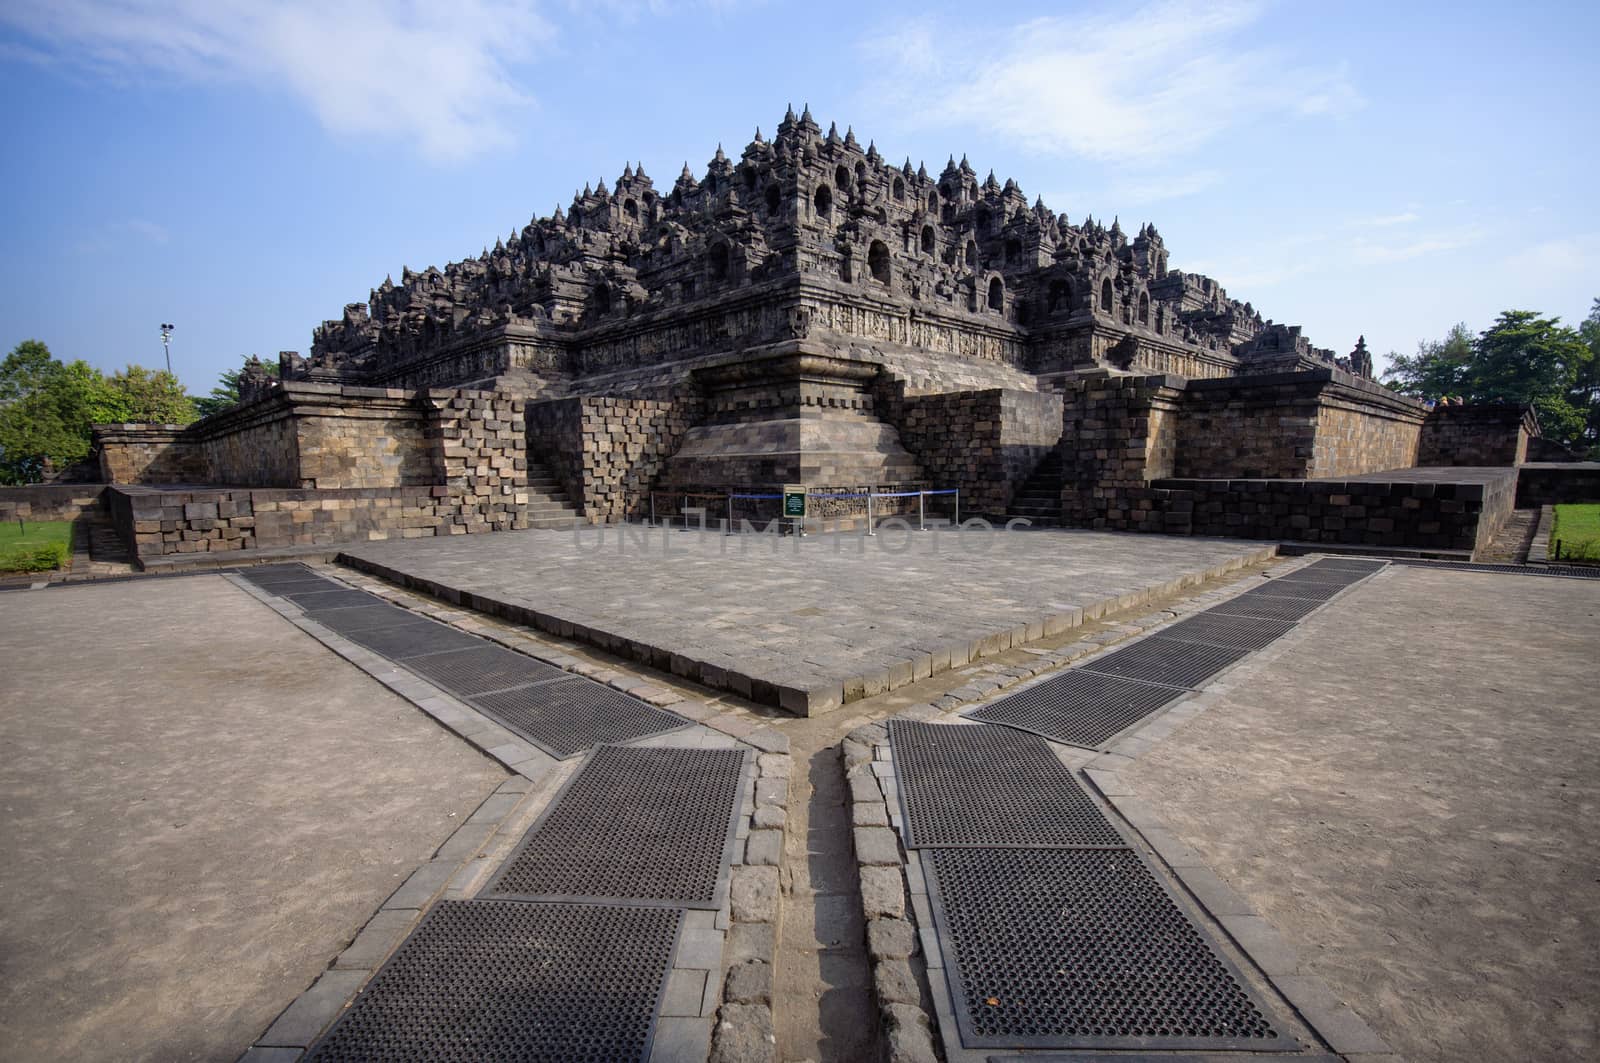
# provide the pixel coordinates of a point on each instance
(548, 505)
(1039, 498)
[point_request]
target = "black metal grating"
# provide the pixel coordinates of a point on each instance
(482, 668)
(343, 598)
(1331, 577)
(1078, 707)
(265, 574)
(1235, 632)
(1266, 606)
(1082, 948)
(497, 980)
(284, 588)
(417, 636)
(1166, 661)
(569, 716)
(375, 614)
(990, 786)
(1568, 571)
(1364, 565)
(641, 826)
(1288, 588)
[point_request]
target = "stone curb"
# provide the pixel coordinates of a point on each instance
(803, 700)
(1539, 549)
(900, 955)
(744, 1031)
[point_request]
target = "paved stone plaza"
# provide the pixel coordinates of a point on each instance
(1385, 812)
(202, 808)
(819, 615)
(1409, 794)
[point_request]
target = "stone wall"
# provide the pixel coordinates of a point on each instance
(1315, 423)
(1118, 431)
(447, 462)
(1401, 514)
(149, 454)
(1490, 434)
(607, 451)
(51, 502)
(984, 442)
(1556, 484)
(1352, 440)
(479, 445)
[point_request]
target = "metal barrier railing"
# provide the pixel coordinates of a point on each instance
(867, 503)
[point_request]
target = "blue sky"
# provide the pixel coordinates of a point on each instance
(244, 169)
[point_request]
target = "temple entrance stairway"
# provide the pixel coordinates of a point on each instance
(548, 505)
(1039, 498)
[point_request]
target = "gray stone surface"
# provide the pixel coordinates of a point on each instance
(815, 613)
(203, 806)
(1406, 793)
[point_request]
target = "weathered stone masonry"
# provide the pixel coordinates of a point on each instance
(457, 467)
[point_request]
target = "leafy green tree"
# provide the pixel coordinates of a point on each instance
(151, 396)
(48, 410)
(1525, 358)
(51, 422)
(226, 393)
(25, 370)
(1437, 370)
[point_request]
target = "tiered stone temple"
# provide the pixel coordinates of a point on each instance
(812, 313)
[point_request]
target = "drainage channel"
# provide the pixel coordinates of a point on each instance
(560, 713)
(1055, 931)
(567, 952)
(1093, 703)
(616, 894)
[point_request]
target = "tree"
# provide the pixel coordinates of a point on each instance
(25, 370)
(151, 396)
(226, 393)
(1522, 358)
(1438, 369)
(1528, 359)
(50, 422)
(48, 410)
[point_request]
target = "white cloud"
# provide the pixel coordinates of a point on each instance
(1135, 85)
(1366, 252)
(1570, 256)
(1139, 190)
(149, 230)
(435, 73)
(1385, 220)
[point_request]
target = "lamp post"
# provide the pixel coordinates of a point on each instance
(166, 345)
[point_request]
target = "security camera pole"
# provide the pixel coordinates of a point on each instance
(166, 345)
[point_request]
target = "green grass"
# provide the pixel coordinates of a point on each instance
(35, 546)
(1576, 535)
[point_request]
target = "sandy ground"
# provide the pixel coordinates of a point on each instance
(1409, 792)
(202, 806)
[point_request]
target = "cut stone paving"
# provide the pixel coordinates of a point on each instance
(808, 622)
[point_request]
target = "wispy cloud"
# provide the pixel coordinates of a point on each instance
(1140, 190)
(1383, 221)
(1137, 85)
(147, 230)
(1569, 256)
(436, 73)
(1369, 252)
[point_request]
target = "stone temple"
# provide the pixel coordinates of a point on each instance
(813, 313)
